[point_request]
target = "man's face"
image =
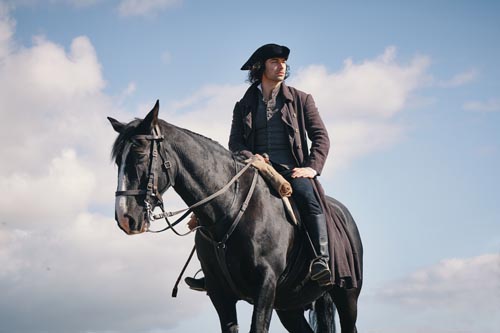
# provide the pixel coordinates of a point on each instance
(275, 69)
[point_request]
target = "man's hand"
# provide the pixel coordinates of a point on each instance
(193, 222)
(262, 158)
(304, 173)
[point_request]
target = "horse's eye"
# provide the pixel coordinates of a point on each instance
(140, 157)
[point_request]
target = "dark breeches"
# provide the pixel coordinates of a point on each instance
(303, 194)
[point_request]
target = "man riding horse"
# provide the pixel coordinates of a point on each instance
(272, 122)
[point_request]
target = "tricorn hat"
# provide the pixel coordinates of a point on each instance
(266, 52)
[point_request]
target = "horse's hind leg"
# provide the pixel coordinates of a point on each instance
(324, 310)
(226, 309)
(346, 301)
(294, 321)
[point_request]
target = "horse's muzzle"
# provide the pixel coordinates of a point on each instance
(130, 226)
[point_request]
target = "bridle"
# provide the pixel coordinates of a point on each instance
(152, 194)
(157, 153)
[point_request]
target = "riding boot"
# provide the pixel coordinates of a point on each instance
(320, 268)
(196, 284)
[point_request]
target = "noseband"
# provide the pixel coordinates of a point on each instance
(151, 192)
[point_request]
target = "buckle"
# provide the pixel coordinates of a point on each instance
(167, 165)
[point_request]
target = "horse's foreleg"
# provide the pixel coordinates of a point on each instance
(263, 305)
(294, 321)
(226, 309)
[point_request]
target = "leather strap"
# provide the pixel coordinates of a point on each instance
(220, 247)
(240, 213)
(130, 192)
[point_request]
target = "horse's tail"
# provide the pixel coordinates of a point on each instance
(322, 315)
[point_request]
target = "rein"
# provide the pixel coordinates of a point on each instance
(165, 215)
(152, 191)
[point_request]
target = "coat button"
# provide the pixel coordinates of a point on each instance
(294, 115)
(296, 130)
(299, 146)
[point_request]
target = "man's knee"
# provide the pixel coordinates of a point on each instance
(303, 193)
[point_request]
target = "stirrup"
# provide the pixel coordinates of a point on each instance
(196, 284)
(319, 269)
(325, 282)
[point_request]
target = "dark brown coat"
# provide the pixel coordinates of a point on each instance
(301, 117)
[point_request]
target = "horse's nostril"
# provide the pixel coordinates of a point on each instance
(135, 227)
(131, 222)
(123, 223)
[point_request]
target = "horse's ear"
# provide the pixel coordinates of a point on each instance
(152, 118)
(116, 124)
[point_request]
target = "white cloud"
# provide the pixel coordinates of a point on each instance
(67, 187)
(124, 7)
(52, 101)
(491, 105)
(131, 88)
(6, 30)
(50, 75)
(359, 102)
(203, 111)
(468, 287)
(460, 79)
(357, 138)
(74, 3)
(78, 3)
(376, 88)
(86, 270)
(450, 283)
(53, 119)
(145, 7)
(458, 295)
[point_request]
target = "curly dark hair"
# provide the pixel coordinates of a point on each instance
(257, 70)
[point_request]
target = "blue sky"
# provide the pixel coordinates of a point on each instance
(409, 92)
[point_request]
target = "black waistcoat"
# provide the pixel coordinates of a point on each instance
(271, 134)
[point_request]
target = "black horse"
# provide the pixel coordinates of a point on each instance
(264, 257)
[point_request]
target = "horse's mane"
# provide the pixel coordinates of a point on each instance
(129, 131)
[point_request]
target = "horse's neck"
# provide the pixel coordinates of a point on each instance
(201, 171)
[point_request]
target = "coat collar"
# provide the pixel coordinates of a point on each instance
(286, 92)
(250, 97)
